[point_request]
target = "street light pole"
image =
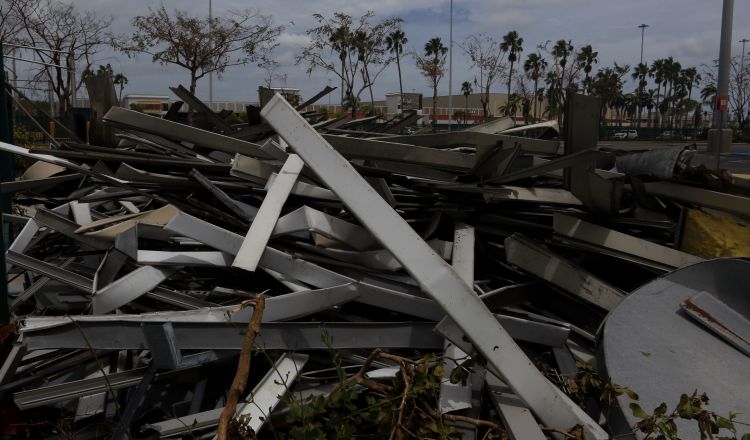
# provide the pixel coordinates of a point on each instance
(722, 88)
(643, 32)
(742, 70)
(643, 27)
(450, 72)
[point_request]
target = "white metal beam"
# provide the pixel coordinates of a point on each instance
(435, 276)
(590, 233)
(262, 226)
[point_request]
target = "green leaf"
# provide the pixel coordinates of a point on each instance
(660, 410)
(746, 437)
(721, 422)
(638, 411)
(685, 407)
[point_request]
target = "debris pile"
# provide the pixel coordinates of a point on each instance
(136, 270)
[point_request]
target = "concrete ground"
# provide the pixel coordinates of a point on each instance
(737, 161)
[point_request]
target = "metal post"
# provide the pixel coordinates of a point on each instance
(210, 74)
(725, 56)
(450, 72)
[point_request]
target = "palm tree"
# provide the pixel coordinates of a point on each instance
(395, 44)
(534, 66)
(648, 102)
(513, 45)
(466, 90)
(586, 59)
(607, 84)
(691, 79)
(435, 49)
(657, 71)
(511, 105)
(120, 80)
(340, 40)
(639, 73)
(708, 94)
(672, 75)
(560, 53)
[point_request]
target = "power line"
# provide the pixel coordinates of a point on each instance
(37, 62)
(34, 48)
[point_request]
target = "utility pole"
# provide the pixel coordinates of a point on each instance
(450, 72)
(210, 38)
(643, 32)
(15, 82)
(722, 89)
(51, 101)
(741, 88)
(72, 77)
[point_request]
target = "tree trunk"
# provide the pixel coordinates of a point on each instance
(193, 83)
(342, 86)
(466, 107)
(434, 106)
(486, 102)
(658, 92)
(369, 86)
(507, 101)
(400, 84)
(536, 84)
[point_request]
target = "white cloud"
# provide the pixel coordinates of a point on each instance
(287, 39)
(686, 30)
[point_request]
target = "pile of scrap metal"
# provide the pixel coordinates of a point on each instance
(131, 265)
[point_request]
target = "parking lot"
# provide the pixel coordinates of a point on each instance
(738, 161)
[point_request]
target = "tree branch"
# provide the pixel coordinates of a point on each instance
(243, 367)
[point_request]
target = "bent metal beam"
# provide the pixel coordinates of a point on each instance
(435, 276)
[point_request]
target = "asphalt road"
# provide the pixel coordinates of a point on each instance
(737, 161)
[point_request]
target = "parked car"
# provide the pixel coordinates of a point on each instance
(672, 135)
(667, 135)
(627, 134)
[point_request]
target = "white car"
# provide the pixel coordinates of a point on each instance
(627, 134)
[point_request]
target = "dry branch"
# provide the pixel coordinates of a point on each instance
(243, 367)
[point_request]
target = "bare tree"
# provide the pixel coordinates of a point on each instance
(199, 44)
(739, 89)
(486, 57)
(349, 49)
(10, 25)
(269, 67)
(525, 96)
(74, 38)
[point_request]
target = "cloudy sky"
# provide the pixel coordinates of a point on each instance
(685, 29)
